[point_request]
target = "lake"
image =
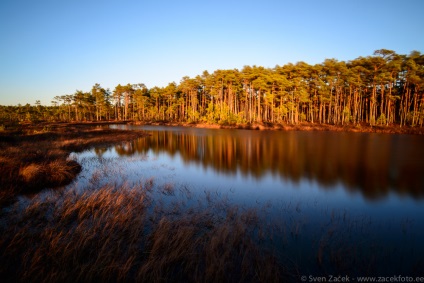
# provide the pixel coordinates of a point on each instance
(332, 201)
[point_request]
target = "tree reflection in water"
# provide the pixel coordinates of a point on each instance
(374, 164)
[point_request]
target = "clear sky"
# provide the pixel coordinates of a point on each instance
(50, 48)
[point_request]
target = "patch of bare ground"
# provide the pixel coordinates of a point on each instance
(34, 157)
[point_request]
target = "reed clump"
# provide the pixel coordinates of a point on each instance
(49, 173)
(127, 234)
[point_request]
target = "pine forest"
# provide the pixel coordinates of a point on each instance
(383, 89)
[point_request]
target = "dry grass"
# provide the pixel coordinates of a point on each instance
(122, 234)
(32, 159)
(49, 174)
(303, 126)
(145, 233)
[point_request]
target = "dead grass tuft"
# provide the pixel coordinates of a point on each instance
(61, 172)
(49, 173)
(32, 173)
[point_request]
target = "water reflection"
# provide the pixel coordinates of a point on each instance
(374, 164)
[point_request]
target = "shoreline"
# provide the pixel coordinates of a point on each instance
(36, 157)
(360, 128)
(303, 126)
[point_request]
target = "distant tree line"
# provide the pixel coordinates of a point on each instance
(382, 89)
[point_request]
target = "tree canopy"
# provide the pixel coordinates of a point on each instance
(382, 89)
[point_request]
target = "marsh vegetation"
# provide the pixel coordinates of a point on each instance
(198, 205)
(35, 157)
(126, 233)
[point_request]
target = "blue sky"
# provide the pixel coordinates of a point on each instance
(51, 48)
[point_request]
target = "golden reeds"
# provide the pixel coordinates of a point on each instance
(32, 160)
(118, 234)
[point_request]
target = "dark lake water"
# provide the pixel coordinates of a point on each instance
(356, 198)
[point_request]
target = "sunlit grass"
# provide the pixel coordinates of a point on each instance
(127, 234)
(32, 160)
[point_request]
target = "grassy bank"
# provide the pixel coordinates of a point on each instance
(33, 157)
(304, 126)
